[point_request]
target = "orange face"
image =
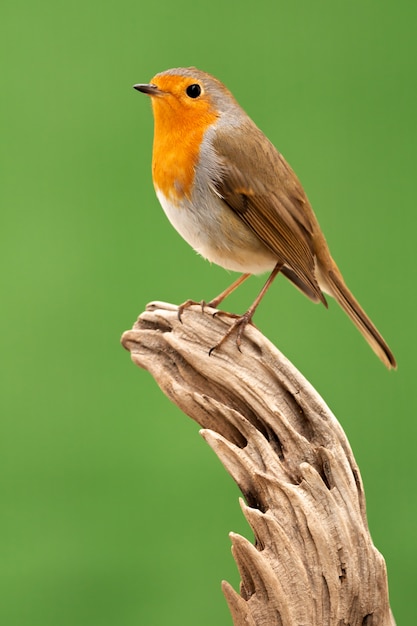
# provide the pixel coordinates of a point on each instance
(182, 112)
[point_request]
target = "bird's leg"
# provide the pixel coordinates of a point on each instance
(216, 301)
(242, 321)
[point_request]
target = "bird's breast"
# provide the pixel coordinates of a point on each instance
(217, 233)
(185, 183)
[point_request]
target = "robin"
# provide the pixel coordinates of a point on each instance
(236, 201)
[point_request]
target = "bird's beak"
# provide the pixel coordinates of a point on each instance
(150, 89)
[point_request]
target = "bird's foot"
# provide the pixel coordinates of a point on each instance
(203, 304)
(188, 303)
(238, 326)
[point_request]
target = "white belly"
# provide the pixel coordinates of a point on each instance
(218, 234)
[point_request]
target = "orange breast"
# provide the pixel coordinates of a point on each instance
(179, 131)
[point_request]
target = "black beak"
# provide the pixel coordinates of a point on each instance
(150, 89)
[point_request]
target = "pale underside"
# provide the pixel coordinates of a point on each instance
(218, 235)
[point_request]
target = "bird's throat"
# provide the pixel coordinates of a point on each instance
(176, 148)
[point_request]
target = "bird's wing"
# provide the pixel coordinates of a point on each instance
(260, 187)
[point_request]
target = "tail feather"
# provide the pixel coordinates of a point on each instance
(351, 306)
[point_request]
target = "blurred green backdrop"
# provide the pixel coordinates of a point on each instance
(114, 511)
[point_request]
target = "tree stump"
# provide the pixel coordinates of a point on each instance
(313, 562)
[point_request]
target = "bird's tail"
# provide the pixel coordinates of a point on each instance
(336, 287)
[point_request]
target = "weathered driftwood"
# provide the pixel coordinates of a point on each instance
(313, 562)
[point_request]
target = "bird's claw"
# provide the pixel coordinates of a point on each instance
(238, 325)
(187, 304)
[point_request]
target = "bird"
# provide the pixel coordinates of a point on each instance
(233, 197)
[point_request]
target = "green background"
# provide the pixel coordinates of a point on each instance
(114, 510)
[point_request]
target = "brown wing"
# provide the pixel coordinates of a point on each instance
(260, 187)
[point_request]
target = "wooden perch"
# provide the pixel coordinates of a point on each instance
(313, 562)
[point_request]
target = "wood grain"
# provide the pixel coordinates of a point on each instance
(313, 562)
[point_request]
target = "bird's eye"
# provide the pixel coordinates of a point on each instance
(193, 91)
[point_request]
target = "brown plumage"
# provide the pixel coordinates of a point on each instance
(235, 199)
